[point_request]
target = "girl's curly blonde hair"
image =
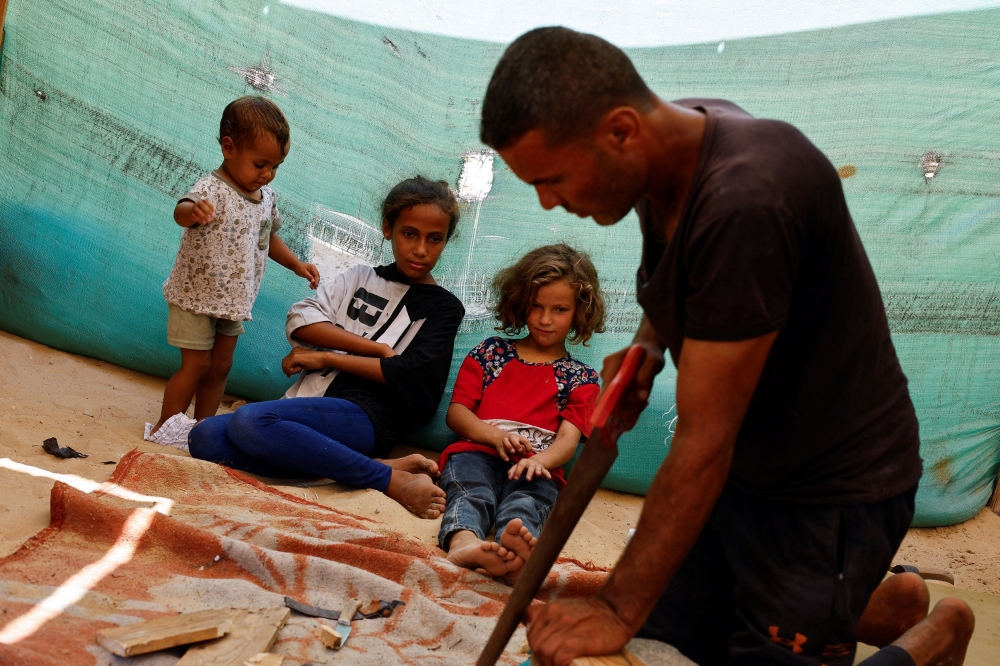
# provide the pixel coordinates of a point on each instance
(515, 287)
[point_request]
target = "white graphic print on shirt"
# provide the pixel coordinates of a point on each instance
(374, 311)
(540, 438)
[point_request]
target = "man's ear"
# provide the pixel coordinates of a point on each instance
(620, 127)
(386, 229)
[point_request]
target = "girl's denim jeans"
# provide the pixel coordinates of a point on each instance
(294, 438)
(480, 494)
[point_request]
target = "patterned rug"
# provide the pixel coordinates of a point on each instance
(172, 534)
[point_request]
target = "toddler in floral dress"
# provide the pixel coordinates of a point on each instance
(520, 407)
(231, 222)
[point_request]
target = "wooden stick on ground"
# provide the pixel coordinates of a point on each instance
(165, 632)
(623, 658)
(265, 659)
(253, 632)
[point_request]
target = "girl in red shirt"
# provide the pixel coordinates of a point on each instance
(521, 407)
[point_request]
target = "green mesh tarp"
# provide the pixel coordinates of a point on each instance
(110, 110)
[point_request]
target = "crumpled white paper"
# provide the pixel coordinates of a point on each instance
(173, 432)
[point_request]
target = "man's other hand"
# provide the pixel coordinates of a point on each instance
(561, 631)
(636, 397)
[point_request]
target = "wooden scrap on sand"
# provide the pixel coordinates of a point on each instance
(623, 658)
(240, 636)
(264, 659)
(165, 632)
(328, 636)
(253, 632)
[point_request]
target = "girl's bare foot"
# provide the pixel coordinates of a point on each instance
(417, 493)
(517, 539)
(469, 551)
(414, 464)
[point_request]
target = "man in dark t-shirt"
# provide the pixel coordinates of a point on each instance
(792, 473)
(765, 243)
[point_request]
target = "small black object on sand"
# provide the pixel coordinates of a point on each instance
(51, 446)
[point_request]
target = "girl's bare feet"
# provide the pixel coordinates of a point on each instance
(417, 493)
(516, 537)
(469, 551)
(414, 464)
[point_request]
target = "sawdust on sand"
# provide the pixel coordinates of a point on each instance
(99, 409)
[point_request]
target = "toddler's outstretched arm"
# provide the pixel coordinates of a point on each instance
(559, 453)
(466, 424)
(280, 252)
(189, 213)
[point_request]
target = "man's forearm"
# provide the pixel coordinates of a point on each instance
(330, 336)
(675, 511)
(645, 334)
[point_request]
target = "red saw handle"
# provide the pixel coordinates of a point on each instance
(607, 406)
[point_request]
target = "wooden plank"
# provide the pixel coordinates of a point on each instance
(623, 658)
(265, 659)
(328, 636)
(253, 632)
(165, 632)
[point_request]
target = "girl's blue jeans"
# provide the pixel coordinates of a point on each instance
(295, 438)
(480, 495)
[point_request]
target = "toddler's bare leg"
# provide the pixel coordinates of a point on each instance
(213, 382)
(182, 386)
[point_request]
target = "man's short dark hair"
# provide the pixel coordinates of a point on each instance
(561, 82)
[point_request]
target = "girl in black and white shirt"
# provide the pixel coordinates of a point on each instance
(373, 349)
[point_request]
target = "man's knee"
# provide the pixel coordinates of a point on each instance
(957, 616)
(899, 603)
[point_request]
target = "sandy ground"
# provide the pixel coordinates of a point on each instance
(99, 409)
